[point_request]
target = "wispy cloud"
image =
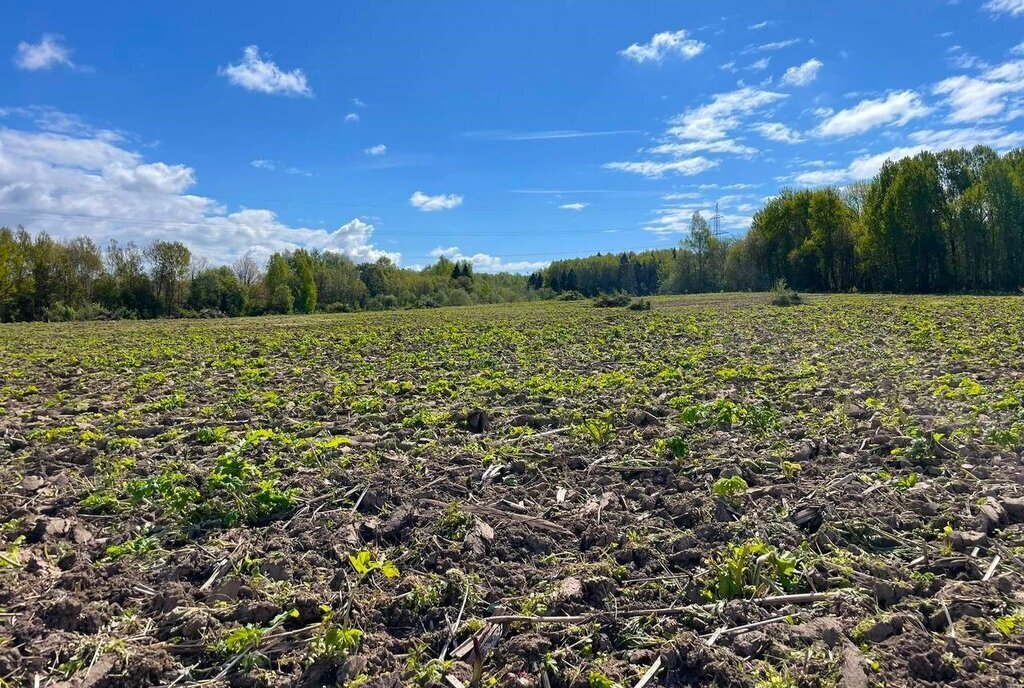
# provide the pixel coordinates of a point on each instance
(573, 206)
(49, 52)
(351, 118)
(664, 44)
(261, 164)
(776, 131)
(254, 73)
(761, 25)
(802, 74)
(376, 151)
(896, 109)
(655, 170)
(1014, 8)
(776, 45)
(429, 204)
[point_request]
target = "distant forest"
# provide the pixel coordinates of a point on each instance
(935, 223)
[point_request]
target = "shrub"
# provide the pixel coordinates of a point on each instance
(617, 300)
(570, 296)
(640, 305)
(782, 295)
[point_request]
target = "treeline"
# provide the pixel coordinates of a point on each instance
(42, 278)
(933, 223)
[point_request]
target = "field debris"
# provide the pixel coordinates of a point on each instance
(714, 491)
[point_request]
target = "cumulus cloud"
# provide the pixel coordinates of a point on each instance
(991, 94)
(897, 108)
(484, 262)
(655, 170)
(1014, 8)
(72, 185)
(376, 151)
(803, 74)
(663, 44)
(351, 118)
(254, 73)
(49, 52)
(429, 204)
(261, 164)
(573, 206)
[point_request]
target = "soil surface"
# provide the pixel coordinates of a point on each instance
(714, 492)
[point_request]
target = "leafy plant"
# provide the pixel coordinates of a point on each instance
(366, 563)
(783, 296)
(731, 489)
(751, 569)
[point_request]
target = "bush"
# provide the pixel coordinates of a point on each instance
(617, 300)
(640, 305)
(782, 295)
(570, 296)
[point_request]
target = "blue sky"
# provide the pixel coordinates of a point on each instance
(509, 133)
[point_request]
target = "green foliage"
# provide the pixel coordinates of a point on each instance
(331, 641)
(597, 679)
(783, 296)
(366, 563)
(211, 435)
(731, 489)
(751, 569)
(616, 300)
(599, 431)
(138, 546)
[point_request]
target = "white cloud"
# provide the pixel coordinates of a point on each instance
(776, 131)
(256, 74)
(351, 118)
(760, 65)
(429, 204)
(761, 25)
(376, 151)
(802, 74)
(777, 45)
(488, 263)
(358, 103)
(896, 109)
(989, 95)
(73, 185)
(48, 52)
(715, 119)
(704, 128)
(676, 219)
(713, 146)
(867, 166)
(261, 164)
(574, 206)
(1014, 8)
(663, 44)
(656, 170)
